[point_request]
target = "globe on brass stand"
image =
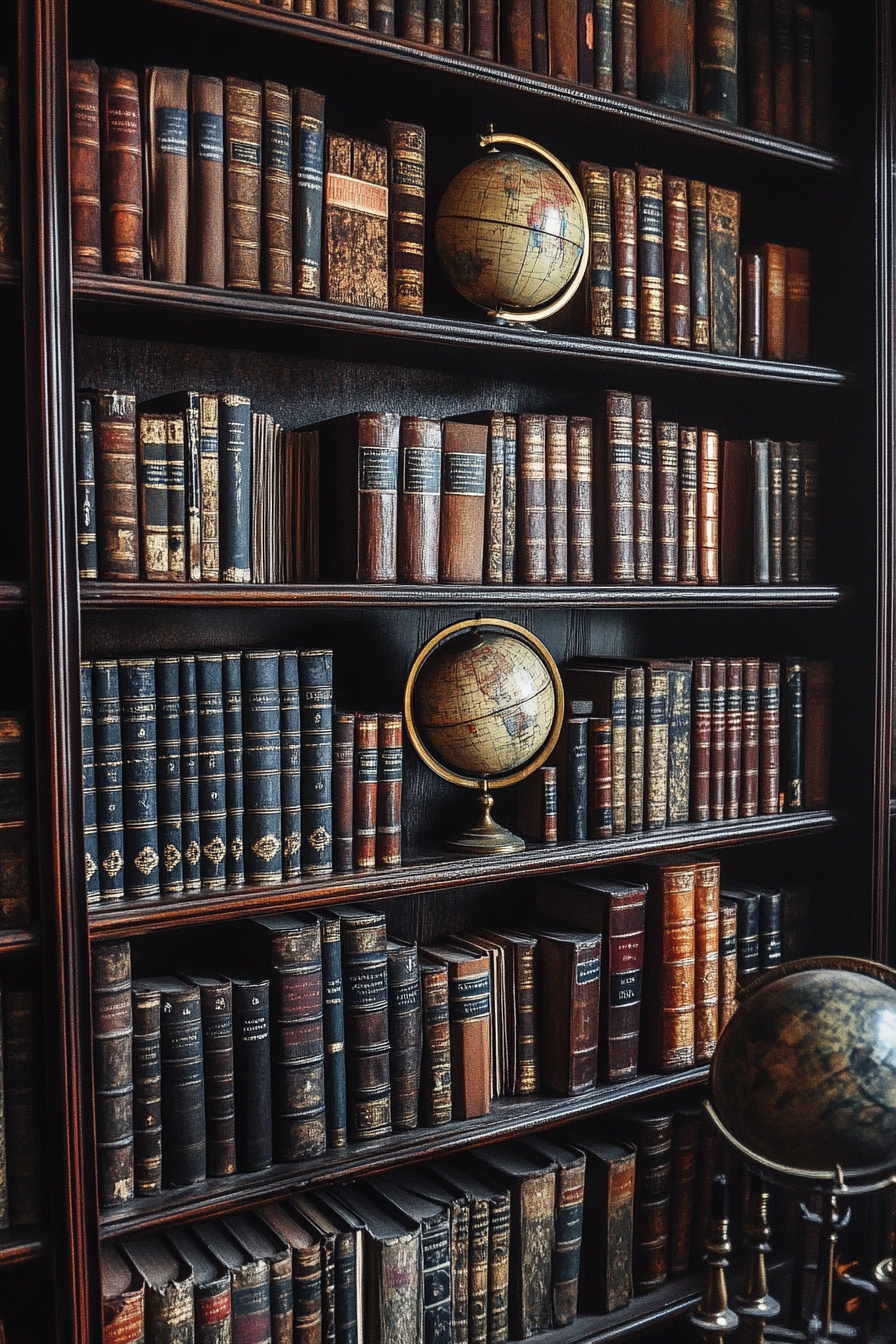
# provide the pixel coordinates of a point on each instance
(484, 707)
(803, 1087)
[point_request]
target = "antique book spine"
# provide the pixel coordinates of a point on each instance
(494, 501)
(600, 778)
(760, 83)
(620, 484)
(411, 20)
(577, 778)
(792, 463)
(769, 928)
(232, 706)
(166, 163)
(619, 710)
(678, 261)
(86, 487)
(262, 766)
(277, 231)
(516, 33)
(455, 25)
(407, 212)
(334, 1029)
(234, 487)
(635, 739)
(546, 781)
(698, 232)
(306, 1295)
(115, 447)
(823, 40)
(366, 773)
(297, 1042)
(643, 488)
(168, 782)
(178, 559)
(147, 1089)
(679, 744)
(595, 180)
(185, 441)
(252, 1074)
(14, 903)
(794, 737)
(210, 566)
(653, 1170)
(84, 165)
(760, 501)
(797, 292)
(625, 48)
(688, 495)
(556, 498)
(656, 749)
(651, 304)
(666, 53)
(625, 233)
(316, 682)
(206, 215)
(717, 59)
(701, 739)
(136, 678)
(308, 161)
(343, 791)
(216, 1003)
(686, 1125)
(608, 1222)
(723, 231)
(112, 1072)
(212, 771)
(769, 745)
(420, 481)
(152, 475)
(527, 993)
(388, 791)
(405, 1033)
(290, 764)
(189, 775)
(708, 490)
(706, 944)
(540, 37)
(752, 340)
(563, 40)
(355, 13)
(242, 158)
(532, 1240)
(377, 497)
(669, 969)
(121, 175)
(727, 962)
(468, 1015)
(123, 1311)
(596, 57)
(510, 494)
(665, 475)
(783, 68)
(749, 791)
(435, 1075)
(819, 706)
(356, 222)
(774, 259)
(622, 985)
(533, 497)
(183, 1103)
(108, 775)
(366, 997)
(733, 733)
(775, 512)
(809, 504)
(570, 1011)
(328, 1288)
(382, 16)
(747, 903)
(718, 740)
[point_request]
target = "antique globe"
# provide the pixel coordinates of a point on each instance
(484, 707)
(512, 231)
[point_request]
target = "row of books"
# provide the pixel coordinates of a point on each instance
(22, 1189)
(331, 1033)
(505, 1242)
(218, 769)
(221, 182)
(15, 894)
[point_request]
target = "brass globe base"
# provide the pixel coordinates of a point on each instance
(487, 837)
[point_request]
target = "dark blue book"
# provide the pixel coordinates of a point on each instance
(290, 764)
(168, 800)
(231, 677)
(212, 783)
(137, 693)
(308, 159)
(91, 848)
(86, 486)
(334, 1028)
(189, 775)
(261, 765)
(235, 487)
(316, 680)
(107, 773)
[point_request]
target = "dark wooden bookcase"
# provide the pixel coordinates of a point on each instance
(302, 361)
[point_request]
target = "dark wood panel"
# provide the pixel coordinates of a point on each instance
(20, 1244)
(10, 272)
(19, 940)
(13, 596)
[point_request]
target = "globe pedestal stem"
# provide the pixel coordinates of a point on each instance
(487, 837)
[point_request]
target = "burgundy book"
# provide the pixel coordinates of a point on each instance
(84, 164)
(678, 261)
(665, 487)
(557, 498)
(569, 968)
(600, 778)
(359, 482)
(388, 791)
(366, 772)
(462, 524)
(749, 765)
(121, 172)
(343, 791)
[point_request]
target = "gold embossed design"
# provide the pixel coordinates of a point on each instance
(292, 844)
(319, 838)
(147, 860)
(171, 857)
(89, 867)
(266, 847)
(112, 863)
(214, 851)
(192, 852)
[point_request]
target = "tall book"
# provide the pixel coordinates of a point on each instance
(556, 498)
(405, 1033)
(793, 723)
(115, 449)
(723, 230)
(112, 1076)
(607, 690)
(108, 776)
(356, 222)
(563, 45)
(14, 904)
(774, 258)
(819, 710)
(532, 1184)
(166, 163)
(651, 298)
(242, 178)
(388, 790)
(235, 487)
(146, 1068)
(212, 795)
(770, 738)
(168, 1294)
(277, 186)
(189, 776)
(666, 491)
(718, 58)
(624, 47)
(85, 469)
(121, 177)
(252, 1073)
(420, 485)
(698, 231)
(667, 1028)
(304, 1243)
(366, 1007)
(308, 191)
(168, 781)
(183, 1093)
(643, 488)
(212, 1315)
(494, 499)
(570, 974)
(652, 1137)
(783, 68)
(216, 1009)
(262, 817)
(608, 1218)
(462, 525)
(510, 497)
(569, 1168)
(688, 505)
(666, 53)
(797, 294)
(686, 1127)
(84, 165)
(708, 506)
(359, 478)
(136, 680)
(152, 476)
(678, 261)
(595, 180)
(343, 791)
(264, 1245)
(434, 1218)
(250, 1279)
(468, 1009)
(760, 84)
(123, 1293)
(334, 1027)
(407, 208)
(394, 1264)
(625, 256)
(206, 213)
(316, 701)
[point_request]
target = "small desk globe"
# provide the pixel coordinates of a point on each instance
(512, 231)
(484, 706)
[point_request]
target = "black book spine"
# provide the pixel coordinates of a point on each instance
(747, 935)
(290, 764)
(328, 1289)
(112, 1072)
(137, 689)
(183, 1096)
(794, 718)
(365, 985)
(577, 779)
(297, 1039)
(107, 769)
(232, 692)
(769, 929)
(334, 1030)
(405, 1034)
(235, 488)
(316, 680)
(261, 765)
(216, 1002)
(252, 1074)
(212, 779)
(189, 775)
(86, 484)
(436, 1281)
(147, 1074)
(168, 786)
(88, 786)
(345, 1286)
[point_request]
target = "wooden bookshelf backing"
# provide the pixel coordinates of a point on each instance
(19, 940)
(19, 1244)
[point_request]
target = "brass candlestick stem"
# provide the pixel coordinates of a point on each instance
(713, 1317)
(755, 1305)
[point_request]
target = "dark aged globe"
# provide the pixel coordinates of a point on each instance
(805, 1072)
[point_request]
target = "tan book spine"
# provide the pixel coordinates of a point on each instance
(494, 500)
(532, 528)
(727, 962)
(419, 481)
(242, 156)
(121, 175)
(556, 496)
(670, 944)
(581, 527)
(206, 221)
(595, 179)
(468, 1000)
(688, 493)
(115, 428)
(407, 215)
(708, 490)
(775, 258)
(84, 166)
(356, 223)
(707, 883)
(277, 190)
(166, 162)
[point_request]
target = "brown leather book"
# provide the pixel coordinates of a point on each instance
(651, 294)
(366, 1000)
(723, 225)
(521, 960)
(206, 219)
(643, 488)
(166, 164)
(727, 962)
(796, 288)
(734, 708)
(804, 71)
(809, 501)
(494, 498)
(718, 59)
(752, 332)
(625, 47)
(152, 474)
(665, 485)
(600, 778)
(678, 261)
(435, 1072)
(581, 485)
(242, 159)
(407, 214)
(569, 962)
(388, 791)
(688, 492)
(538, 806)
(121, 172)
(356, 222)
(405, 1033)
(595, 180)
(355, 13)
(511, 491)
(468, 1011)
(563, 46)
(749, 789)
(516, 33)
(614, 486)
(556, 499)
(819, 709)
(823, 37)
(540, 36)
(455, 25)
(343, 791)
(359, 483)
(701, 738)
(792, 463)
(410, 20)
(736, 530)
(625, 256)
(532, 499)
(775, 258)
(686, 1134)
(652, 1137)
(366, 774)
(708, 504)
(607, 1220)
(760, 81)
(123, 1298)
(596, 58)
(707, 881)
(482, 24)
(112, 1078)
(666, 53)
(605, 689)
(718, 703)
(783, 68)
(462, 525)
(115, 438)
(667, 1022)
(770, 739)
(277, 188)
(84, 165)
(419, 475)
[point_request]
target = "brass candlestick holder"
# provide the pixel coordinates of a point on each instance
(713, 1317)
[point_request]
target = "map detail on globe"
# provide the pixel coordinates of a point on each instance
(510, 232)
(485, 709)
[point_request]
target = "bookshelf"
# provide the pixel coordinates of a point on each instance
(304, 360)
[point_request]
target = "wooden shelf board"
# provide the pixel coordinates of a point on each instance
(13, 596)
(509, 1117)
(123, 919)
(126, 596)
(298, 319)
(18, 1244)
(456, 65)
(10, 272)
(19, 940)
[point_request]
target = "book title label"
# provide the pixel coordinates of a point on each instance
(625, 988)
(378, 470)
(279, 146)
(172, 131)
(422, 471)
(464, 474)
(245, 151)
(208, 133)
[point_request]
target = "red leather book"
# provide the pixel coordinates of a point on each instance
(749, 789)
(701, 738)
(532, 533)
(819, 709)
(770, 739)
(734, 705)
(643, 489)
(419, 477)
(570, 971)
(600, 778)
(667, 1030)
(775, 260)
(717, 740)
(462, 524)
(388, 791)
(557, 499)
(121, 172)
(666, 53)
(796, 289)
(665, 478)
(115, 436)
(625, 257)
(469, 1017)
(366, 774)
(563, 43)
(206, 212)
(581, 531)
(84, 165)
(688, 495)
(678, 261)
(708, 504)
(617, 462)
(359, 484)
(166, 161)
(516, 33)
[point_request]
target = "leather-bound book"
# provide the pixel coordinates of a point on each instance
(706, 943)
(232, 701)
(606, 688)
(481, 29)
(643, 488)
(277, 226)
(305, 1210)
(723, 229)
(343, 791)
(211, 771)
(532, 498)
(749, 791)
(666, 489)
(108, 777)
(394, 1272)
(152, 476)
(136, 684)
(819, 708)
(147, 1087)
(121, 172)
(651, 296)
(250, 1279)
(727, 962)
(608, 1219)
(434, 1219)
(316, 701)
(168, 1293)
(388, 791)
(405, 1032)
(569, 967)
(84, 165)
(420, 1182)
(516, 34)
(494, 500)
(769, 926)
(112, 1071)
(708, 504)
(752, 337)
(407, 214)
(411, 20)
(521, 958)
(435, 1072)
(760, 80)
(308, 188)
(462, 524)
(667, 1030)
(594, 36)
(576, 811)
(747, 903)
(86, 486)
(666, 53)
(115, 448)
(382, 15)
(563, 39)
(14, 902)
(792, 464)
(569, 1167)
(804, 72)
(359, 475)
(775, 512)
(652, 1137)
(334, 1027)
(264, 1245)
(262, 824)
(688, 514)
(366, 774)
(366, 1007)
(797, 304)
(455, 25)
(123, 1291)
(468, 1009)
(325, 1211)
(166, 164)
(291, 763)
(769, 743)
(510, 497)
(733, 731)
(183, 480)
(718, 705)
(626, 48)
(178, 519)
(775, 260)
(305, 1244)
(206, 214)
(635, 745)
(679, 714)
(686, 1133)
(242, 160)
(809, 503)
(532, 1184)
(758, 551)
(234, 487)
(183, 1098)
(355, 13)
(189, 776)
(556, 498)
(698, 233)
(678, 261)
(252, 1073)
(717, 59)
(216, 1007)
(168, 781)
(823, 37)
(614, 485)
(212, 1316)
(595, 180)
(356, 222)
(783, 68)
(540, 37)
(209, 546)
(701, 739)
(600, 778)
(625, 254)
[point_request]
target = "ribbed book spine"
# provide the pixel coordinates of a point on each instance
(749, 791)
(533, 497)
(191, 497)
(769, 749)
(625, 228)
(23, 1111)
(183, 1103)
(120, 173)
(388, 791)
(643, 488)
(88, 786)
(688, 550)
(366, 773)
(166, 165)
(366, 998)
(708, 505)
(277, 231)
(210, 566)
(147, 1080)
(510, 496)
(216, 1004)
(252, 1074)
(407, 207)
(733, 732)
(556, 499)
(775, 512)
(136, 678)
(297, 1041)
(405, 1033)
(420, 484)
(189, 776)
(334, 1030)
(679, 744)
(308, 159)
(115, 461)
(595, 179)
(290, 763)
(86, 486)
(701, 739)
(792, 483)
(727, 962)
(168, 782)
(581, 528)
(235, 487)
(678, 261)
(706, 944)
(494, 502)
(760, 90)
(112, 1077)
(242, 178)
(635, 745)
(759, 453)
(666, 487)
(261, 766)
(717, 59)
(600, 778)
(435, 1077)
(620, 484)
(232, 703)
(651, 304)
(598, 70)
(212, 771)
(206, 215)
(343, 792)
(84, 165)
(794, 716)
(723, 231)
(718, 698)
(152, 472)
(316, 682)
(698, 231)
(108, 773)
